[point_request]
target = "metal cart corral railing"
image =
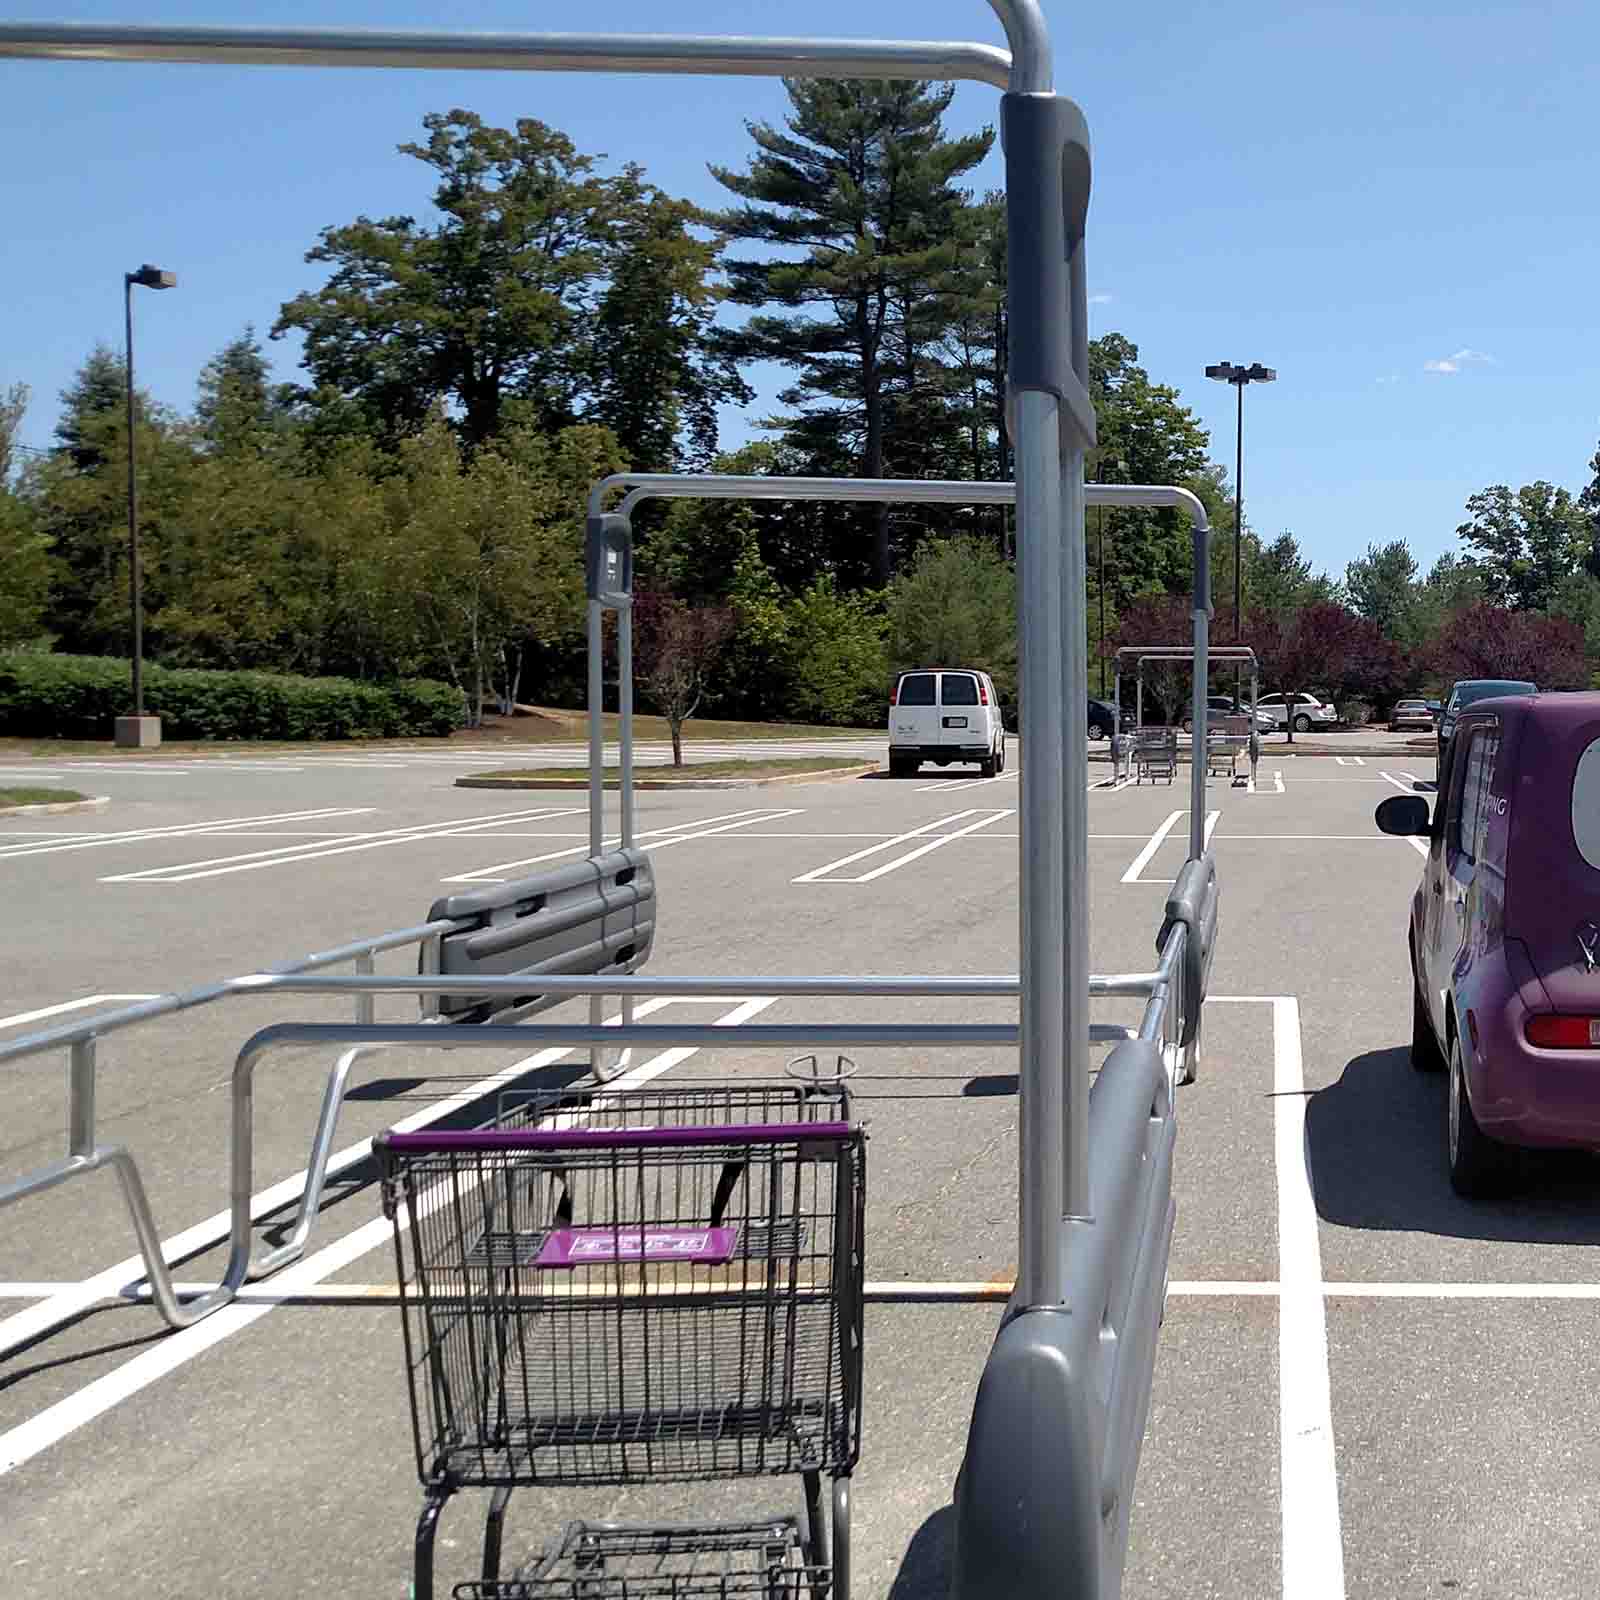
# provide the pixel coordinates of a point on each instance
(1043, 1498)
(1200, 718)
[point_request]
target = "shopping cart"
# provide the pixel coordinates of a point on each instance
(649, 1287)
(1155, 753)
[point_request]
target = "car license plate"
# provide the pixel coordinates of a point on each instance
(955, 722)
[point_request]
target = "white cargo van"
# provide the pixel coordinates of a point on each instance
(942, 716)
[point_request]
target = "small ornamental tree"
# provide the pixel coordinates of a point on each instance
(675, 650)
(1322, 647)
(1485, 641)
(1159, 619)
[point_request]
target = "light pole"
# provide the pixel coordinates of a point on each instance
(1228, 372)
(137, 730)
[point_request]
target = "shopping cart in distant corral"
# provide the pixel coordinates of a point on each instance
(1155, 754)
(643, 1287)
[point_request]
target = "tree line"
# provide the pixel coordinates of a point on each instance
(414, 506)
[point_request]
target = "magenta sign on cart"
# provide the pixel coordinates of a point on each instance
(583, 1247)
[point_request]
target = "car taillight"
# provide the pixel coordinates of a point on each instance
(983, 695)
(1564, 1033)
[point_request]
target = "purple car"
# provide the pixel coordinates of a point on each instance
(1505, 932)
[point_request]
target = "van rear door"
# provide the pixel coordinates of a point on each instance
(963, 718)
(914, 716)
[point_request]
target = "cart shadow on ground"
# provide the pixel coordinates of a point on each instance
(1376, 1140)
(927, 1567)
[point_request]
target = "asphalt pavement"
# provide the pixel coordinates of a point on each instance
(1366, 1387)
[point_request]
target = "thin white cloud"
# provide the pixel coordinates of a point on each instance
(1391, 377)
(1099, 299)
(1458, 359)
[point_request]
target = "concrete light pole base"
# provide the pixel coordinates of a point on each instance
(138, 733)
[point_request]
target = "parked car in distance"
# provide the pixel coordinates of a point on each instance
(1466, 692)
(1102, 720)
(1309, 711)
(1224, 705)
(1504, 932)
(943, 716)
(1411, 714)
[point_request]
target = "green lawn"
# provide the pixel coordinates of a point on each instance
(36, 797)
(550, 727)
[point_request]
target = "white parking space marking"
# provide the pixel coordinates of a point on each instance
(68, 1005)
(731, 822)
(292, 854)
(1156, 840)
(21, 1443)
(55, 844)
(1277, 784)
(1350, 761)
(1313, 1552)
(823, 874)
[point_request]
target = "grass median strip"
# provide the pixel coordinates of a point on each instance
(29, 795)
(666, 777)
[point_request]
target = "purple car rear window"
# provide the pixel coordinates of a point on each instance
(1472, 820)
(1586, 804)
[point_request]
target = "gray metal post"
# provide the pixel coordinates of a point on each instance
(1043, 901)
(597, 762)
(80, 1099)
(625, 765)
(366, 1004)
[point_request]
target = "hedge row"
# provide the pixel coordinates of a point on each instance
(80, 697)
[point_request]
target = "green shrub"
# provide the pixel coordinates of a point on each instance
(80, 697)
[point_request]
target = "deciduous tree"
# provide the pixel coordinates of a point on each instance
(675, 649)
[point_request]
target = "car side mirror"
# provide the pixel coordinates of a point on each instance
(1403, 815)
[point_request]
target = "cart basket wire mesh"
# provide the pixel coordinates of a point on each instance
(654, 1286)
(598, 1561)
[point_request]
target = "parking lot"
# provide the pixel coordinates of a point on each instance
(1366, 1387)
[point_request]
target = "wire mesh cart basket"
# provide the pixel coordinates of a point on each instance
(1155, 753)
(643, 1287)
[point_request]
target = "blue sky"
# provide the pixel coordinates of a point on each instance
(1395, 211)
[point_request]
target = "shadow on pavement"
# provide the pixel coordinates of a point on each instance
(926, 1567)
(1376, 1139)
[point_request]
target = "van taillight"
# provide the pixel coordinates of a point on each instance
(983, 695)
(1564, 1033)
(894, 695)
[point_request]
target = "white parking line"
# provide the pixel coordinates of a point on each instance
(21, 1443)
(1313, 1552)
(1157, 839)
(292, 854)
(21, 1017)
(731, 821)
(55, 844)
(1277, 784)
(821, 874)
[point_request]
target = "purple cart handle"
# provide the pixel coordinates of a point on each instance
(489, 1140)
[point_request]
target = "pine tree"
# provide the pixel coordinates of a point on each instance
(863, 186)
(237, 407)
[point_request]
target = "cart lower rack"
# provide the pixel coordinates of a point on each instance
(658, 1286)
